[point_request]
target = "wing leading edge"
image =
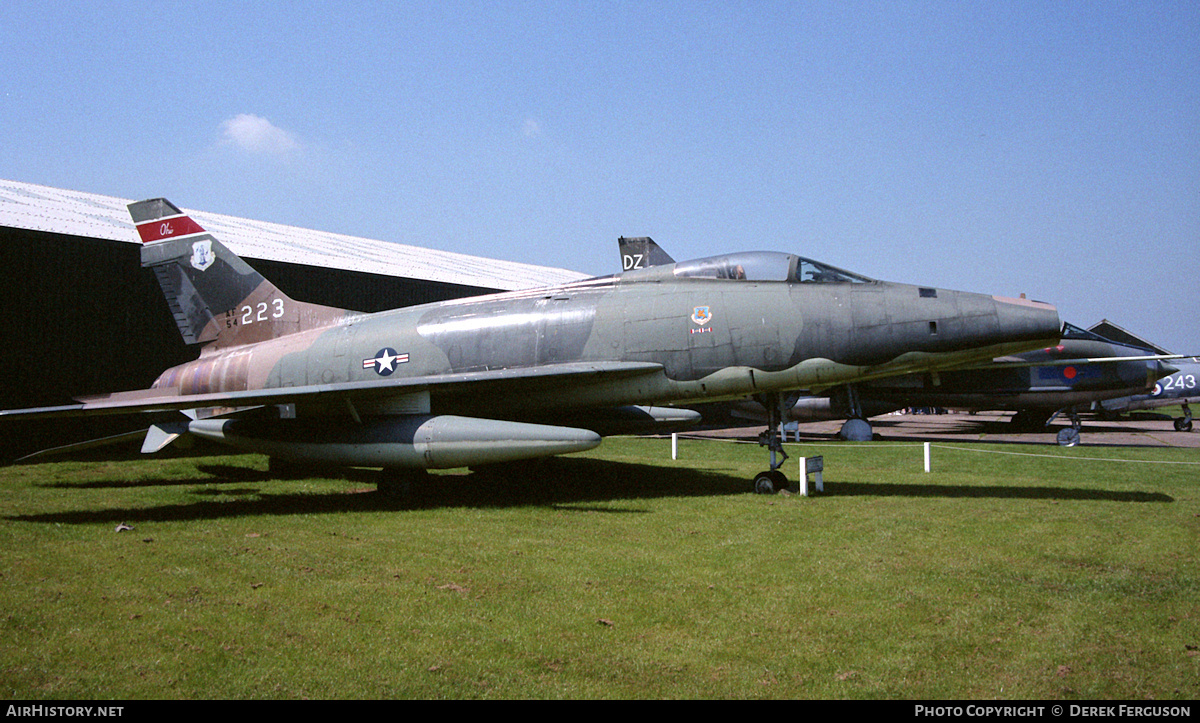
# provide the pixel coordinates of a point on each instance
(545, 379)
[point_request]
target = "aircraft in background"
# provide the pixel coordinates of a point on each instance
(1080, 371)
(1179, 388)
(532, 373)
(641, 252)
(1069, 378)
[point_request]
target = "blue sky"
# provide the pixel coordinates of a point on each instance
(1046, 148)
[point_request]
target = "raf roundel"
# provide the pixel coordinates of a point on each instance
(384, 362)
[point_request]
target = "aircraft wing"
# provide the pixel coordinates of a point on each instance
(1158, 402)
(1018, 362)
(517, 382)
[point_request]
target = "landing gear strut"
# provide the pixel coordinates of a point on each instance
(1184, 424)
(772, 480)
(1069, 436)
(856, 428)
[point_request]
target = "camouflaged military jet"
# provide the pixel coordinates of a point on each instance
(527, 374)
(1071, 376)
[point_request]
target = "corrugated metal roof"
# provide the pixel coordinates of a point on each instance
(55, 210)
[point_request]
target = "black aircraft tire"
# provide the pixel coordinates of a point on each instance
(1183, 425)
(1068, 437)
(856, 430)
(770, 482)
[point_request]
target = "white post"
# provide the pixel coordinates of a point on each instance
(927, 456)
(675, 446)
(804, 477)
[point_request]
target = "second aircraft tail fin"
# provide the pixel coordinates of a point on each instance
(214, 295)
(640, 252)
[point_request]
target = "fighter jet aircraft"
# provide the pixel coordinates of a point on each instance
(1180, 387)
(1069, 377)
(1065, 379)
(526, 374)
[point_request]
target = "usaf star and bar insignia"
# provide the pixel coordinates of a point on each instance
(384, 362)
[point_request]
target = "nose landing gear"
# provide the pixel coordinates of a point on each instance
(773, 480)
(1184, 424)
(1069, 436)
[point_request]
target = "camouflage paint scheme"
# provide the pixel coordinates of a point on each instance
(1080, 371)
(491, 378)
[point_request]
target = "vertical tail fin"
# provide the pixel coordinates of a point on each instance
(214, 295)
(641, 252)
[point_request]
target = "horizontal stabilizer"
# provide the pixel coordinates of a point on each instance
(159, 436)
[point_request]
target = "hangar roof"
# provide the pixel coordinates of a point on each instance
(55, 210)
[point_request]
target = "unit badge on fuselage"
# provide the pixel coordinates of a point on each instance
(384, 362)
(701, 315)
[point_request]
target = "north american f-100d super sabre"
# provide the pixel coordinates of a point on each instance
(527, 374)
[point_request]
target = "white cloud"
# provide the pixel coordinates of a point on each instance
(258, 135)
(532, 128)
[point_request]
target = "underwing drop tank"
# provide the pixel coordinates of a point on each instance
(422, 442)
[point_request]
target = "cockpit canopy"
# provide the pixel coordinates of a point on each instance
(1075, 333)
(766, 266)
(1070, 331)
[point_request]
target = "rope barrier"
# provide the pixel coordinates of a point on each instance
(1056, 456)
(873, 446)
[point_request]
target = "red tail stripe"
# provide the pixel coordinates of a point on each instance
(162, 228)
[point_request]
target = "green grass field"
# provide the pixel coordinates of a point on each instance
(615, 574)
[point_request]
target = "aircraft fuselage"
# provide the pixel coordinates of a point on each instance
(715, 338)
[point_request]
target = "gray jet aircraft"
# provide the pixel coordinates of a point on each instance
(1068, 378)
(1181, 387)
(1079, 371)
(535, 373)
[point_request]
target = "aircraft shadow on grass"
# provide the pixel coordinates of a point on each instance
(566, 483)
